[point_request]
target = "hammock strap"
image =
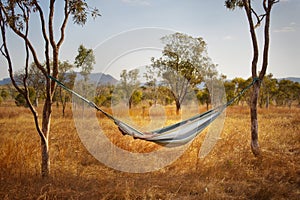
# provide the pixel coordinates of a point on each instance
(90, 103)
(125, 127)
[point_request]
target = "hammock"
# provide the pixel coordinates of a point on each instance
(177, 134)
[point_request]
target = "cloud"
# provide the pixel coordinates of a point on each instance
(228, 37)
(286, 29)
(137, 2)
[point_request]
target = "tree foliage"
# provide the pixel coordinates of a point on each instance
(128, 84)
(20, 100)
(104, 95)
(67, 76)
(85, 60)
(184, 64)
(4, 94)
(273, 91)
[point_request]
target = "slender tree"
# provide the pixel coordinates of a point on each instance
(184, 64)
(254, 21)
(67, 76)
(15, 18)
(128, 84)
(268, 90)
(85, 60)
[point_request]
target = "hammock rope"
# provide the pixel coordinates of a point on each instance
(178, 133)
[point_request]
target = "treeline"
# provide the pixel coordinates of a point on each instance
(273, 92)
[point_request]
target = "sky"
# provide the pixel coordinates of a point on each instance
(127, 35)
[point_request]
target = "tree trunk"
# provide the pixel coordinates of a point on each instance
(268, 100)
(254, 124)
(44, 140)
(178, 106)
(63, 109)
(130, 103)
(45, 167)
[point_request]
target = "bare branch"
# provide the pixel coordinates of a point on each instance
(50, 26)
(256, 15)
(265, 5)
(63, 26)
(45, 36)
(248, 8)
(20, 34)
(5, 53)
(25, 11)
(267, 40)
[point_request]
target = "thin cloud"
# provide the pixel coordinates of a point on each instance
(286, 29)
(228, 37)
(137, 2)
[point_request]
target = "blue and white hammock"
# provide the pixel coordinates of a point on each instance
(177, 134)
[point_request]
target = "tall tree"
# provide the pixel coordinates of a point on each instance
(15, 18)
(285, 93)
(268, 90)
(35, 79)
(128, 84)
(184, 64)
(67, 76)
(254, 21)
(85, 60)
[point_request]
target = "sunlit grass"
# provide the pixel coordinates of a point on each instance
(229, 172)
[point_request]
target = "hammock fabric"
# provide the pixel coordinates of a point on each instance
(178, 133)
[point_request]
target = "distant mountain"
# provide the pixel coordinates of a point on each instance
(5, 81)
(104, 79)
(294, 79)
(99, 78)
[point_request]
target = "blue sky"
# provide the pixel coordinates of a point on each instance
(118, 36)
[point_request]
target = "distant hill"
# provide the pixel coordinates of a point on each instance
(5, 81)
(104, 79)
(294, 79)
(100, 78)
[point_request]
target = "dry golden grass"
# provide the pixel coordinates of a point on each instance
(229, 172)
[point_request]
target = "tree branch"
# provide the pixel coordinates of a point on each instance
(26, 91)
(247, 6)
(267, 39)
(6, 54)
(50, 25)
(20, 34)
(64, 24)
(45, 36)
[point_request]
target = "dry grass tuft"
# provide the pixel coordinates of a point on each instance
(229, 172)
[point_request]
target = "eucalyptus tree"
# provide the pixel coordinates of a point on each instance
(85, 60)
(268, 90)
(16, 18)
(128, 85)
(67, 76)
(254, 21)
(184, 64)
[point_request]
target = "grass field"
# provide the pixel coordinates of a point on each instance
(230, 171)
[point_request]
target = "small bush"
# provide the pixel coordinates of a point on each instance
(20, 99)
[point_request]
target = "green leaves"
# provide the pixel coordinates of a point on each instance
(85, 60)
(232, 4)
(186, 57)
(79, 10)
